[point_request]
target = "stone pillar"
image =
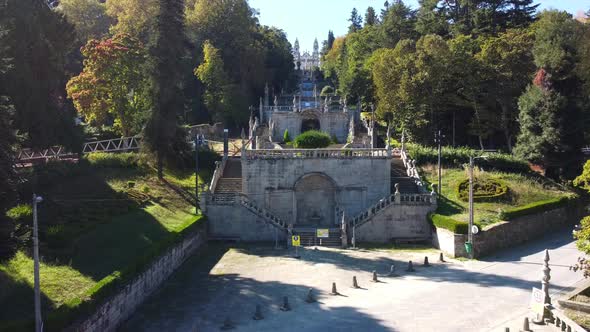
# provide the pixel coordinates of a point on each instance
(433, 196)
(397, 194)
(344, 232)
(266, 95)
(225, 143)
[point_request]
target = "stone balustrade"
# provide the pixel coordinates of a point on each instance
(217, 174)
(561, 321)
(318, 153)
(395, 199)
(243, 200)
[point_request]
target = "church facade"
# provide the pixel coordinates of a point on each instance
(306, 61)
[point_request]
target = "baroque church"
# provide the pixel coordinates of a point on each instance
(306, 62)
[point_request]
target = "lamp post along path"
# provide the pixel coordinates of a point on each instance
(38, 321)
(470, 228)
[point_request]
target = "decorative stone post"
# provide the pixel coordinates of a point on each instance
(433, 197)
(276, 103)
(397, 194)
(261, 110)
(545, 288)
(344, 235)
(294, 103)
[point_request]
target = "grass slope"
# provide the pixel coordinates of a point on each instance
(107, 218)
(523, 190)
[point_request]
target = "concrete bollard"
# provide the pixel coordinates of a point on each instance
(355, 284)
(410, 267)
(285, 306)
(426, 264)
(334, 290)
(258, 313)
(506, 329)
(310, 298)
(375, 279)
(525, 325)
(441, 258)
(227, 324)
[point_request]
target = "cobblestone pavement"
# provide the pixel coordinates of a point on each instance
(484, 295)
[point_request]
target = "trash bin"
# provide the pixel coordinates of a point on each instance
(468, 247)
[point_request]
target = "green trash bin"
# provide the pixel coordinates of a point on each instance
(468, 247)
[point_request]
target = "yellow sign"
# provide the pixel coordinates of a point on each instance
(295, 240)
(323, 233)
(538, 301)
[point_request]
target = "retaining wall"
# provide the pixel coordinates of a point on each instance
(508, 233)
(120, 306)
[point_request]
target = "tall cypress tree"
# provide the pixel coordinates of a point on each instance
(168, 53)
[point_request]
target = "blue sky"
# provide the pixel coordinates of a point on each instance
(308, 19)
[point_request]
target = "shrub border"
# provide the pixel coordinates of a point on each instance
(535, 207)
(448, 223)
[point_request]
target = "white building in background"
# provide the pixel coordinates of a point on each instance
(306, 61)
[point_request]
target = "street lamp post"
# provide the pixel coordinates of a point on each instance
(471, 223)
(438, 140)
(38, 321)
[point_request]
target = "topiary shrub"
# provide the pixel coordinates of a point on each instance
(286, 136)
(326, 91)
(448, 223)
(484, 190)
(312, 139)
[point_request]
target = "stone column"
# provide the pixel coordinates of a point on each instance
(397, 194)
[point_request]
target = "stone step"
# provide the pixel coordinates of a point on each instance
(233, 168)
(228, 185)
(308, 238)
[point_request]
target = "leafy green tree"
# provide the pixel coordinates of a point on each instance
(552, 115)
(137, 18)
(168, 99)
(88, 16)
(356, 21)
(212, 74)
(39, 40)
(371, 16)
(113, 83)
(331, 39)
(430, 19)
(541, 127)
(507, 64)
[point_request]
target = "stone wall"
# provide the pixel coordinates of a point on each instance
(396, 221)
(359, 182)
(235, 221)
(508, 233)
(333, 123)
(119, 307)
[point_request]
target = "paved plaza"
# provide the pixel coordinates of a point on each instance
(484, 295)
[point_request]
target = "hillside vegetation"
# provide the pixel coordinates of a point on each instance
(101, 221)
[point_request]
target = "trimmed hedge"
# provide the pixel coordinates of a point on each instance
(113, 160)
(312, 139)
(78, 308)
(484, 190)
(535, 207)
(448, 223)
(456, 157)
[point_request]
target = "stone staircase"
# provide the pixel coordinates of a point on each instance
(399, 175)
(308, 237)
(231, 181)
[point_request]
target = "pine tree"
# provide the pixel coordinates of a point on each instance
(355, 21)
(370, 17)
(167, 73)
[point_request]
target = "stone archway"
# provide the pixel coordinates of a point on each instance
(310, 121)
(315, 196)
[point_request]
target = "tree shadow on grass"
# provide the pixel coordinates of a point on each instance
(194, 300)
(15, 295)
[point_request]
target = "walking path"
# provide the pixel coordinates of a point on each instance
(485, 295)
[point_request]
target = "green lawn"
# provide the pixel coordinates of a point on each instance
(523, 190)
(105, 230)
